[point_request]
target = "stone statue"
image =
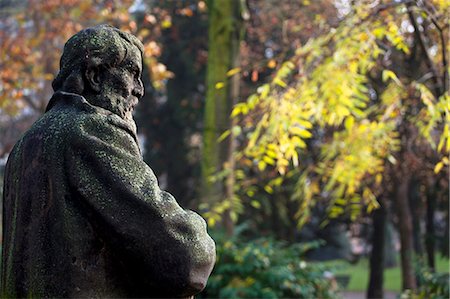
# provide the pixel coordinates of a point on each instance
(83, 213)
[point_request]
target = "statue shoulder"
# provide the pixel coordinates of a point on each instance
(71, 119)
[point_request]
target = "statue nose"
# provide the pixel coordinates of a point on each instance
(138, 89)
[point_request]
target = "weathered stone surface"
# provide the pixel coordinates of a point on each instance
(83, 213)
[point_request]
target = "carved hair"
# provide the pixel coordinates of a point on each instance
(99, 46)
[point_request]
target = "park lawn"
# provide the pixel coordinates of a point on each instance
(359, 273)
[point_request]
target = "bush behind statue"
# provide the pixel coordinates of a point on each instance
(266, 268)
(431, 285)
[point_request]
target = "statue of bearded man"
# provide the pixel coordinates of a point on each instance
(83, 213)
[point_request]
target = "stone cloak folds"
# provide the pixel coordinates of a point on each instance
(84, 216)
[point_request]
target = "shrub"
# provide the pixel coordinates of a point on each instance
(266, 268)
(431, 286)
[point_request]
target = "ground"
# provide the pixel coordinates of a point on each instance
(362, 295)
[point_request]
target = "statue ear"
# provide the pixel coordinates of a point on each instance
(93, 77)
(74, 83)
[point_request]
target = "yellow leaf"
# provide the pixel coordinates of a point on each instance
(388, 74)
(219, 85)
(304, 123)
(392, 159)
(211, 222)
(223, 136)
(279, 82)
(263, 90)
(295, 159)
(445, 135)
(374, 204)
(233, 71)
(300, 132)
(363, 36)
(268, 189)
(262, 165)
(236, 110)
(341, 201)
(349, 121)
(379, 32)
(268, 160)
(255, 204)
(378, 179)
(438, 167)
(166, 24)
(342, 111)
(270, 153)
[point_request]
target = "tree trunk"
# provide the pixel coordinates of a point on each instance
(405, 229)
(417, 212)
(375, 287)
(430, 235)
(445, 247)
(223, 55)
(276, 223)
(417, 216)
(233, 99)
(292, 208)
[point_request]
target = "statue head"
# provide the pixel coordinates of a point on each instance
(104, 65)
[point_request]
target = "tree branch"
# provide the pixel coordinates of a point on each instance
(442, 40)
(438, 86)
(31, 103)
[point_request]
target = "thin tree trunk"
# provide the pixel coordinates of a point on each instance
(417, 213)
(430, 234)
(233, 99)
(417, 216)
(292, 208)
(406, 233)
(375, 287)
(276, 224)
(445, 248)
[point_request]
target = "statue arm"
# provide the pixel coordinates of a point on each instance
(167, 248)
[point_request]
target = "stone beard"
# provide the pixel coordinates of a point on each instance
(83, 215)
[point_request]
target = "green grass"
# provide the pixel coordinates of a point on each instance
(359, 273)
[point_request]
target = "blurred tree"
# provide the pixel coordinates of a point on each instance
(373, 91)
(377, 258)
(273, 31)
(171, 121)
(225, 21)
(32, 35)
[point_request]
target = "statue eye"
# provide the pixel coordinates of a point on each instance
(134, 72)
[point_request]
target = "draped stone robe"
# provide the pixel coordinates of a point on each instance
(84, 216)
